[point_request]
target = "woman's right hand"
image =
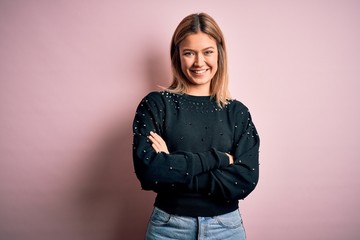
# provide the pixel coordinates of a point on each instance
(158, 144)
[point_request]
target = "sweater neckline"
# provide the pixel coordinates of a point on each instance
(196, 98)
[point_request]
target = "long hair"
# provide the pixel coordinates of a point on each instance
(194, 23)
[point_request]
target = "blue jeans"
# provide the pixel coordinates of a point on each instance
(164, 226)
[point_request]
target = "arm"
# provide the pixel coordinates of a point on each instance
(239, 179)
(159, 145)
(157, 169)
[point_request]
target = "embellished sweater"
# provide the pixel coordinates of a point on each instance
(195, 178)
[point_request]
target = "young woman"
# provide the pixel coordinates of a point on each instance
(193, 145)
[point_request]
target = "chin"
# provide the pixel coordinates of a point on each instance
(197, 81)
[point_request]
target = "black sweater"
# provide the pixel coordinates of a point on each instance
(195, 179)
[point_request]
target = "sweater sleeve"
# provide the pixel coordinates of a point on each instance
(237, 180)
(160, 170)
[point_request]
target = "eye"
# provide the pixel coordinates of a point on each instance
(188, 53)
(209, 52)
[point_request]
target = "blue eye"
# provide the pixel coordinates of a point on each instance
(188, 54)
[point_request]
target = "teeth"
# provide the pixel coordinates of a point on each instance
(199, 71)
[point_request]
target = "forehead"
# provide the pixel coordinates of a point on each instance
(197, 41)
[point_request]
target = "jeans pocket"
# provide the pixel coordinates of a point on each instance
(229, 220)
(159, 217)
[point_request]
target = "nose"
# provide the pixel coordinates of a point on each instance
(199, 60)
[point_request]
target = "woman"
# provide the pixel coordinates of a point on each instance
(193, 145)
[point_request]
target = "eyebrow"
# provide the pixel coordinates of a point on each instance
(189, 49)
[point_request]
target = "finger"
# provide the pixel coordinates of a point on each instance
(158, 143)
(155, 144)
(155, 148)
(156, 136)
(158, 147)
(152, 139)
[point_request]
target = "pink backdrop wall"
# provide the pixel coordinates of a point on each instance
(73, 72)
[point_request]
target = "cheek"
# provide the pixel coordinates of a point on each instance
(184, 65)
(213, 61)
(214, 64)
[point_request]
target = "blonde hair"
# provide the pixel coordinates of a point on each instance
(194, 23)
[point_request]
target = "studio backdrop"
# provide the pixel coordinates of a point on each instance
(73, 72)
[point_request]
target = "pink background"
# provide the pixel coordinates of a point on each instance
(73, 72)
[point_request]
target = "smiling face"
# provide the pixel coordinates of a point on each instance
(199, 62)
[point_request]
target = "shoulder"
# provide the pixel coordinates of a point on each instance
(154, 99)
(155, 96)
(236, 106)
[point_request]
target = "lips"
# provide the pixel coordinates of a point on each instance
(200, 71)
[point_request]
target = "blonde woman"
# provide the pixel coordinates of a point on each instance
(193, 145)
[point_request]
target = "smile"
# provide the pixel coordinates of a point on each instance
(199, 71)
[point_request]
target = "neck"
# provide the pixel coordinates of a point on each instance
(198, 91)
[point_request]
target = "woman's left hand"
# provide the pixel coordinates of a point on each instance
(158, 144)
